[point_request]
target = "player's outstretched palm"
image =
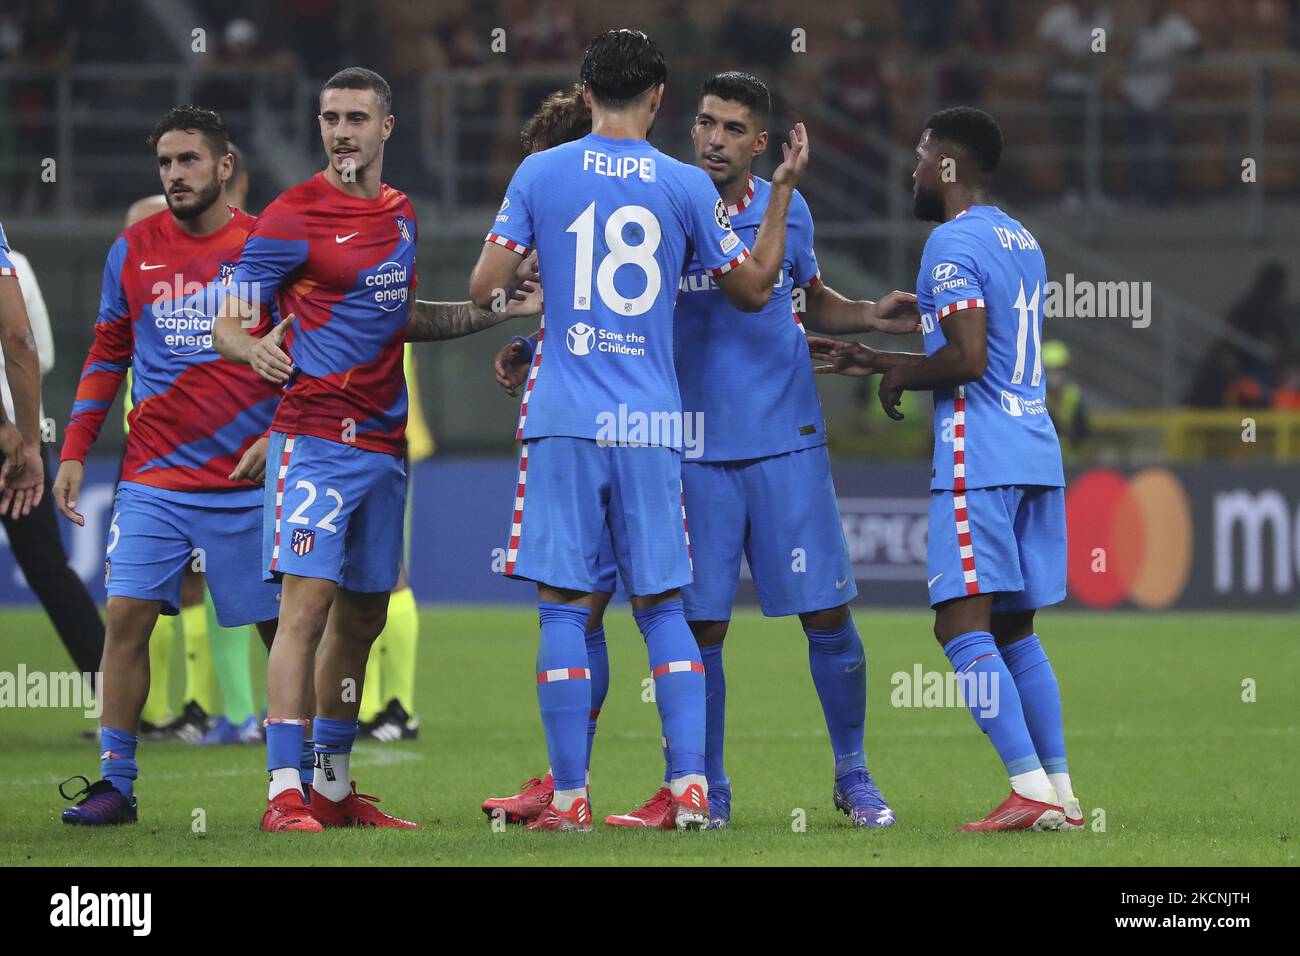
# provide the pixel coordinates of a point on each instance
(836, 356)
(511, 367)
(794, 158)
(268, 357)
(526, 301)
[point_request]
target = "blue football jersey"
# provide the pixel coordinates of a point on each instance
(748, 374)
(614, 223)
(995, 430)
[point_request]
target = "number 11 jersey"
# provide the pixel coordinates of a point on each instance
(615, 223)
(994, 431)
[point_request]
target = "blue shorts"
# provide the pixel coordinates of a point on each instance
(333, 512)
(152, 539)
(606, 565)
(571, 489)
(781, 512)
(1008, 541)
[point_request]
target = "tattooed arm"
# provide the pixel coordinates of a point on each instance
(432, 321)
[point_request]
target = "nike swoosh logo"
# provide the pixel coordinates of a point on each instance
(851, 668)
(840, 582)
(930, 583)
(144, 267)
(342, 239)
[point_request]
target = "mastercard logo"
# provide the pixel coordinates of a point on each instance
(1130, 538)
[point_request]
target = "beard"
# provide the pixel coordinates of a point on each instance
(203, 200)
(927, 205)
(722, 178)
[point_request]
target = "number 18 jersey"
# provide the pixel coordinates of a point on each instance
(994, 431)
(615, 223)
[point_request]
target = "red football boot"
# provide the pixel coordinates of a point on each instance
(288, 811)
(690, 810)
(656, 813)
(526, 806)
(354, 810)
(1073, 815)
(1020, 813)
(576, 818)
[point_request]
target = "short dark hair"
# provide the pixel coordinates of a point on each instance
(743, 88)
(238, 166)
(190, 117)
(620, 65)
(971, 130)
(359, 78)
(562, 118)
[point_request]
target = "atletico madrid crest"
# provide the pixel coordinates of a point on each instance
(303, 541)
(403, 228)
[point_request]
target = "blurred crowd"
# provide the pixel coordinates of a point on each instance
(1231, 376)
(1101, 101)
(1036, 64)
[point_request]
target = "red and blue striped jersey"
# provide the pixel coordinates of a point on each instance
(345, 266)
(195, 413)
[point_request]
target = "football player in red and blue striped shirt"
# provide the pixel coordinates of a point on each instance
(196, 424)
(337, 253)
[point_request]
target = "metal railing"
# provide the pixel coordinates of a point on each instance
(83, 148)
(94, 118)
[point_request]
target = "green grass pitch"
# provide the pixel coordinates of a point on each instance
(1158, 734)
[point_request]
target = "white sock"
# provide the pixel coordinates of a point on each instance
(678, 785)
(331, 779)
(282, 779)
(564, 799)
(1061, 781)
(1033, 785)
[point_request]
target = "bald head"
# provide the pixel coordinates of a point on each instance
(144, 208)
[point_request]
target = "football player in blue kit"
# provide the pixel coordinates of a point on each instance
(756, 476)
(615, 223)
(759, 483)
(997, 539)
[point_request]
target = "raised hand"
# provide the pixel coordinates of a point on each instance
(794, 158)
